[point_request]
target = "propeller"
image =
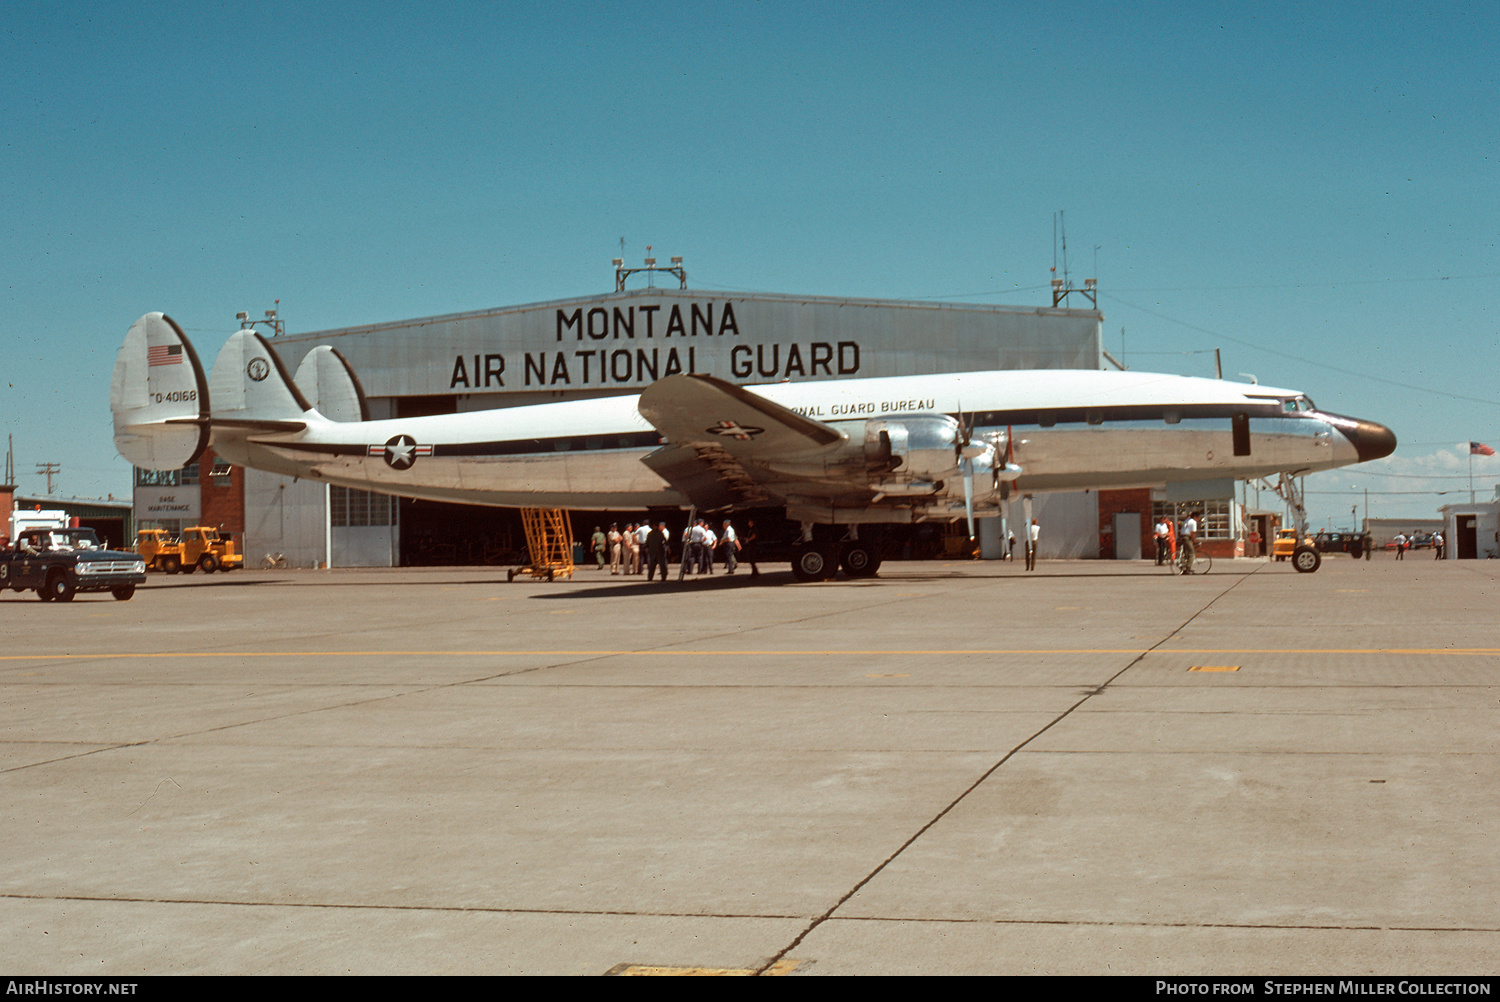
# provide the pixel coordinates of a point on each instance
(968, 455)
(995, 453)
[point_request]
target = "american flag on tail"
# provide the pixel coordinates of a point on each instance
(164, 354)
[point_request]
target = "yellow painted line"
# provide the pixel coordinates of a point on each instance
(778, 969)
(648, 652)
(1214, 668)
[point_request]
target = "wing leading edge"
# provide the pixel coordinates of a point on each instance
(730, 447)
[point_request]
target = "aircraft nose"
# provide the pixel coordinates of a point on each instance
(1371, 440)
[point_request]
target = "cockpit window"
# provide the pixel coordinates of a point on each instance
(1301, 402)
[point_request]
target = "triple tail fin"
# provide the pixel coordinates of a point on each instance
(160, 396)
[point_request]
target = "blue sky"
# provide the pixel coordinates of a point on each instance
(1310, 188)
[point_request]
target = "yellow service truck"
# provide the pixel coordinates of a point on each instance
(202, 547)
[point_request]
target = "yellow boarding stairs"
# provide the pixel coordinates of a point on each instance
(549, 540)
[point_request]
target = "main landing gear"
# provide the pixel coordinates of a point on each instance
(820, 560)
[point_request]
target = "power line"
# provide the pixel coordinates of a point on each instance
(1355, 492)
(51, 470)
(1416, 476)
(1319, 285)
(1299, 358)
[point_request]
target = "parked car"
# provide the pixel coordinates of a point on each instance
(1352, 543)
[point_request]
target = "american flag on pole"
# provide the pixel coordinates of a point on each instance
(164, 354)
(1480, 449)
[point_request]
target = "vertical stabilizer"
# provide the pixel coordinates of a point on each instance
(159, 396)
(249, 383)
(328, 382)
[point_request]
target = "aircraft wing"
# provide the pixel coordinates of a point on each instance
(725, 441)
(707, 475)
(689, 409)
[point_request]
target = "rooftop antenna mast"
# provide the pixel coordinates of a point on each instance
(651, 267)
(272, 320)
(1063, 287)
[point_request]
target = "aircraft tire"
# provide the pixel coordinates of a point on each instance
(123, 593)
(1306, 559)
(860, 560)
(811, 562)
(208, 564)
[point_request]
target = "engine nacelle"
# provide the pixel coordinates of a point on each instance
(927, 454)
(919, 447)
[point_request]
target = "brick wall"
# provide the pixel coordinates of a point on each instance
(223, 506)
(1112, 503)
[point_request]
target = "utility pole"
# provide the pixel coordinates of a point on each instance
(50, 469)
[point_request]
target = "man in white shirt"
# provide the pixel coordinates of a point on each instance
(731, 543)
(693, 562)
(709, 542)
(1189, 539)
(1163, 540)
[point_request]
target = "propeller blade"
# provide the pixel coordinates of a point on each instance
(968, 465)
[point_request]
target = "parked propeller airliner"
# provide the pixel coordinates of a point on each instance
(845, 452)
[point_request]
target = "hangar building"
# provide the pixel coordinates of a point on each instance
(616, 343)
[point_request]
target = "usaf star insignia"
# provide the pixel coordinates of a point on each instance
(400, 452)
(735, 430)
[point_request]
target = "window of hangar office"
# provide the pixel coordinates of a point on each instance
(1217, 521)
(351, 507)
(185, 477)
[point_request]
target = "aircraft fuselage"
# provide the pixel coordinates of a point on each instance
(1066, 430)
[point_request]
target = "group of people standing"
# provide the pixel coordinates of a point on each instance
(1404, 542)
(1169, 540)
(640, 544)
(1033, 534)
(699, 541)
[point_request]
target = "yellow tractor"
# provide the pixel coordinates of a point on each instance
(200, 548)
(205, 549)
(159, 550)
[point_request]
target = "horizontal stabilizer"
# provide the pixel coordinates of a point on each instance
(696, 408)
(249, 383)
(328, 382)
(159, 396)
(263, 427)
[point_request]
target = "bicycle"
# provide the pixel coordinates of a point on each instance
(1199, 563)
